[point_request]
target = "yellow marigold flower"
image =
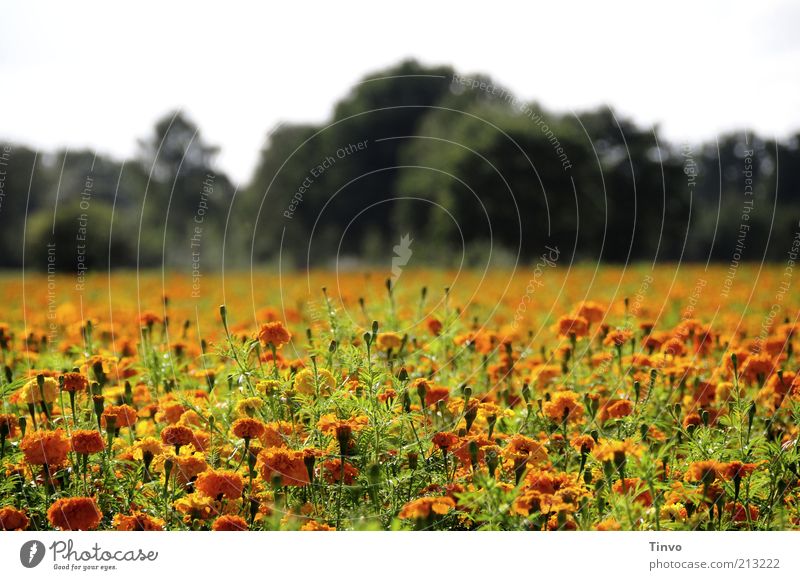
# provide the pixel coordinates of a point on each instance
(196, 506)
(191, 418)
(30, 393)
(147, 447)
(249, 406)
(329, 423)
(268, 386)
(304, 381)
(674, 511)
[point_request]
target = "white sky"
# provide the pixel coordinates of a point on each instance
(98, 74)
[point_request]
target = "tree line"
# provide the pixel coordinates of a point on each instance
(456, 164)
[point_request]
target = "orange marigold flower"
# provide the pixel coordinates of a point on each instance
(332, 472)
(758, 367)
(739, 512)
(608, 525)
(75, 513)
(8, 426)
(387, 340)
(170, 413)
(692, 420)
(532, 450)
(591, 311)
(229, 523)
(434, 394)
(387, 394)
(583, 443)
(274, 334)
(543, 374)
(201, 440)
(434, 326)
(636, 486)
(617, 337)
(654, 341)
(315, 526)
(737, 469)
(188, 467)
(427, 507)
(87, 441)
(276, 433)
(445, 440)
(45, 447)
(462, 449)
(563, 406)
(285, 464)
(12, 519)
(137, 522)
(704, 471)
(176, 435)
(576, 326)
(125, 415)
(219, 483)
(75, 382)
(674, 347)
(248, 428)
(618, 409)
(617, 451)
(149, 318)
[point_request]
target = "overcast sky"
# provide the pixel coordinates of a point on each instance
(98, 74)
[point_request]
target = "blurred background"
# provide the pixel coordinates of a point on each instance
(149, 136)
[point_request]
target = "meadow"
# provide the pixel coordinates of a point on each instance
(546, 398)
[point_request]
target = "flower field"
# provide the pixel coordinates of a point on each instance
(548, 399)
